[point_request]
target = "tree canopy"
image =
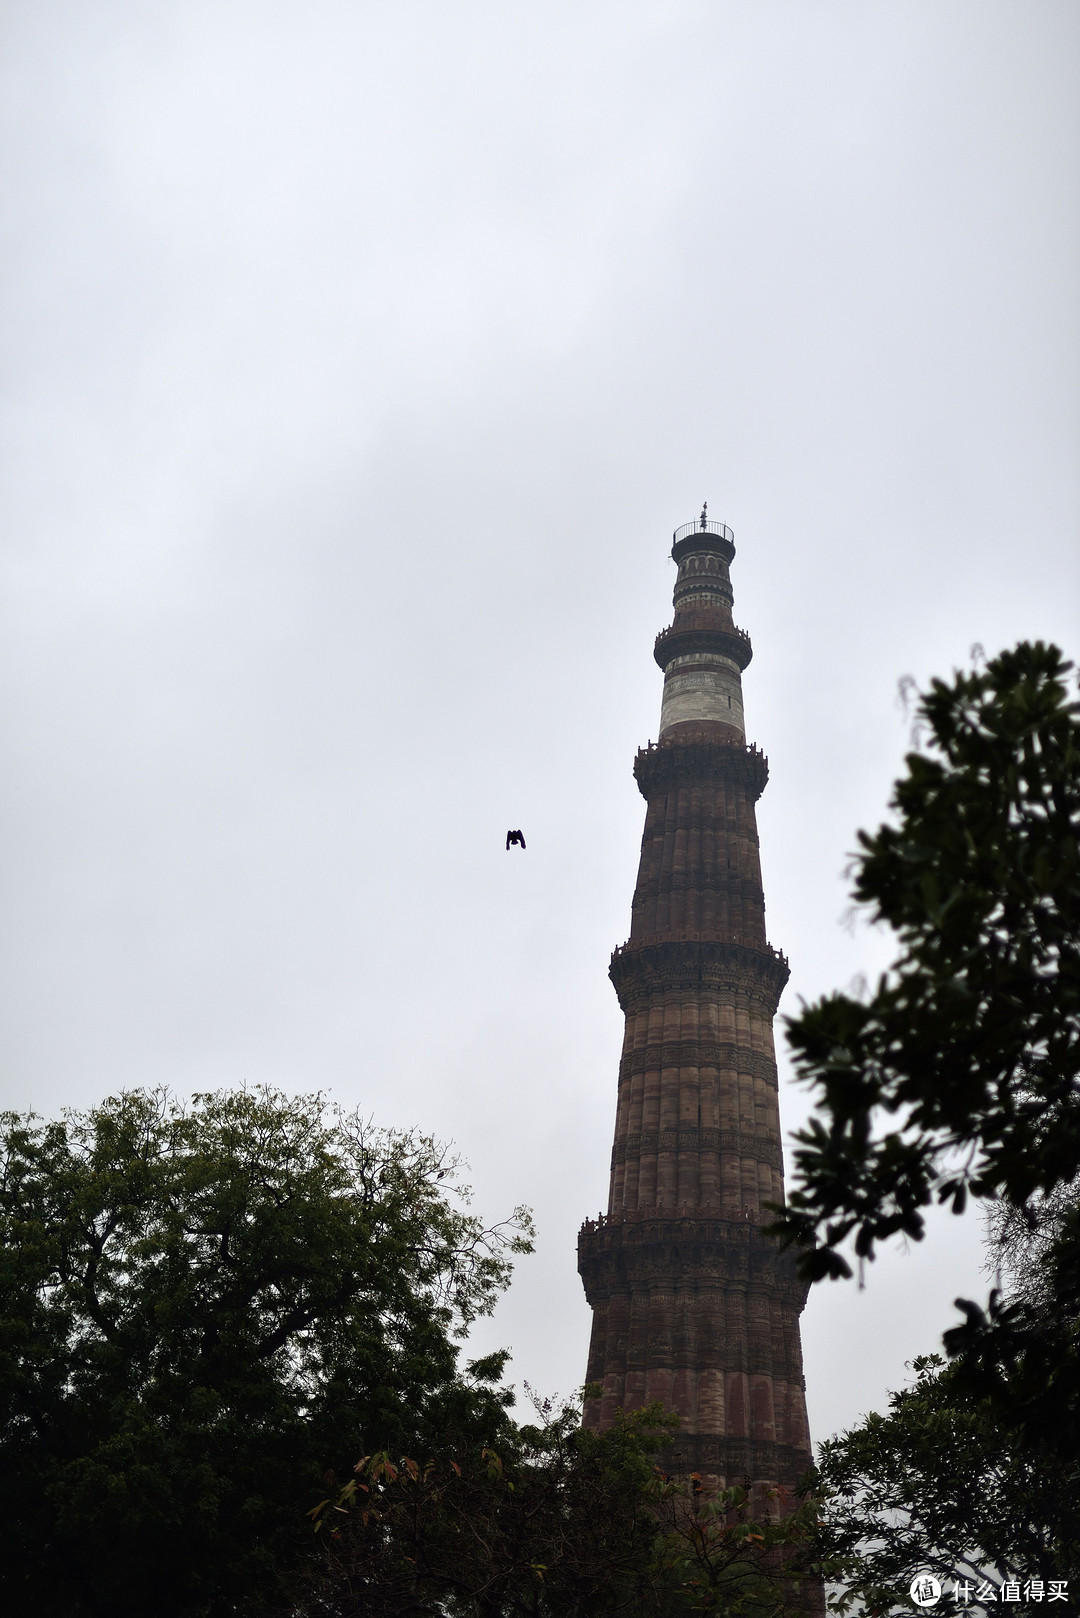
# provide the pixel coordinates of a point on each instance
(206, 1306)
(940, 1484)
(960, 1074)
(555, 1521)
(958, 1077)
(960, 1478)
(216, 1316)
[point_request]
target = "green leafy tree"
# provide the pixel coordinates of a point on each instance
(1021, 1355)
(958, 1077)
(556, 1522)
(1021, 1242)
(960, 1074)
(938, 1484)
(203, 1308)
(551, 1519)
(732, 1555)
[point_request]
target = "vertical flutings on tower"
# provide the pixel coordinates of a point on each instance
(692, 1303)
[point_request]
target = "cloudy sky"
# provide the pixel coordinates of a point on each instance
(359, 357)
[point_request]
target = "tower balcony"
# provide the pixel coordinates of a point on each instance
(679, 642)
(703, 536)
(697, 760)
(699, 963)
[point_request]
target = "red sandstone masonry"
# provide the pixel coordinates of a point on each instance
(692, 1303)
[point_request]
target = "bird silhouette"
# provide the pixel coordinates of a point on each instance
(515, 837)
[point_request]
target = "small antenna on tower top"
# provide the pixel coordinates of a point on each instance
(704, 520)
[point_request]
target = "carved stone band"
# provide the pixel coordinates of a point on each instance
(698, 1053)
(694, 1138)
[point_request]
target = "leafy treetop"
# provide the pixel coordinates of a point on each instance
(204, 1307)
(960, 1073)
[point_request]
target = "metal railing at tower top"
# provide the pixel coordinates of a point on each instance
(700, 527)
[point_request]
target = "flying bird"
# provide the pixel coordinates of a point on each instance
(515, 837)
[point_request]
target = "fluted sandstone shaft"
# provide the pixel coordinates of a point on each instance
(692, 1302)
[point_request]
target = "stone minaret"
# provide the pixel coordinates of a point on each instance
(692, 1303)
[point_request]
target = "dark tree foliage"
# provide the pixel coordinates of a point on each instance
(960, 1074)
(1021, 1357)
(201, 1309)
(938, 1484)
(1021, 1243)
(736, 1556)
(556, 1522)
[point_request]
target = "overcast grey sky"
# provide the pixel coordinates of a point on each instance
(358, 361)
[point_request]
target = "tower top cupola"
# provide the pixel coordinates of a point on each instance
(702, 653)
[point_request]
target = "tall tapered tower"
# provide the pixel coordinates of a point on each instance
(692, 1302)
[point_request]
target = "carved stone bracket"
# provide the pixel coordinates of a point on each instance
(620, 1252)
(640, 971)
(693, 762)
(733, 644)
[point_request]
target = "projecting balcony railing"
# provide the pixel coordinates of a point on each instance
(678, 640)
(703, 527)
